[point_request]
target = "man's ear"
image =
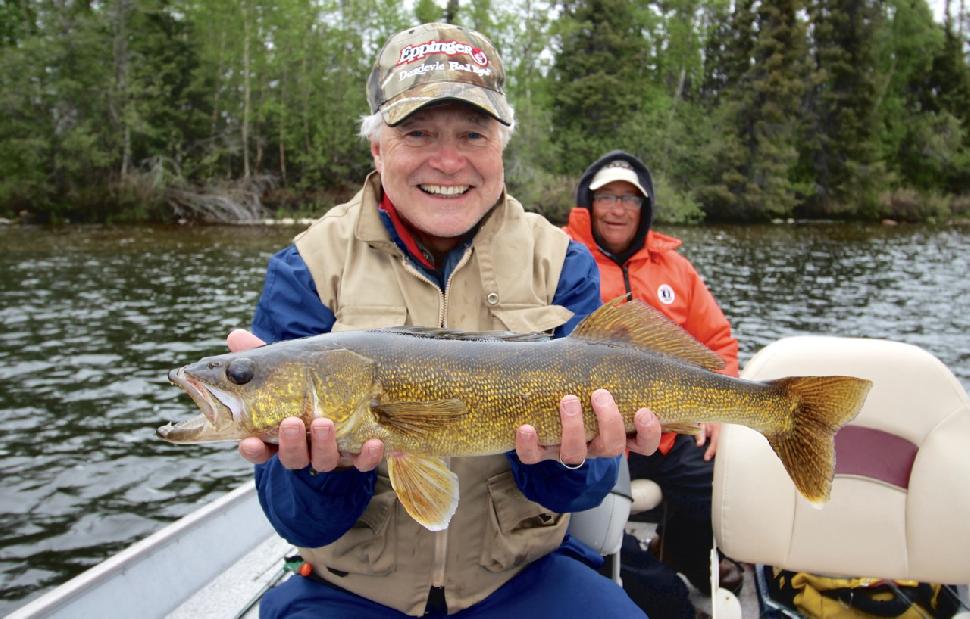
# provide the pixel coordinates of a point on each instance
(375, 151)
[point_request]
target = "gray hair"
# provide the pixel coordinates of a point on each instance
(372, 125)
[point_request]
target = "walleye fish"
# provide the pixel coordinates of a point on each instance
(433, 393)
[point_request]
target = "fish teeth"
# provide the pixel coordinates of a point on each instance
(445, 190)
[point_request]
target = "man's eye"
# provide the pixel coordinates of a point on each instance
(416, 133)
(476, 138)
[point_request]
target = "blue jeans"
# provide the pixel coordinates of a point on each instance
(556, 585)
(687, 482)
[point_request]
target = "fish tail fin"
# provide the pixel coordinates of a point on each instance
(426, 487)
(823, 404)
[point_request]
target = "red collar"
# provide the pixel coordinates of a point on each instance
(404, 233)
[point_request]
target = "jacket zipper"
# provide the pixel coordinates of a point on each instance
(626, 279)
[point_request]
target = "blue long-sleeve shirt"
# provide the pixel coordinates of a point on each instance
(314, 510)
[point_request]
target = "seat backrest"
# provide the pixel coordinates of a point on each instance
(900, 504)
(601, 528)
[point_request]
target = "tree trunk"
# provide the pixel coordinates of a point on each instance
(247, 89)
(120, 102)
(282, 135)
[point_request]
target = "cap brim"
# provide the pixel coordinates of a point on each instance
(493, 103)
(643, 192)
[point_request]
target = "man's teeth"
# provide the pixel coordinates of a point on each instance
(445, 190)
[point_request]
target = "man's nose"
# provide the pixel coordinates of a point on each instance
(448, 158)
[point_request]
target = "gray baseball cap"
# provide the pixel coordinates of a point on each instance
(437, 62)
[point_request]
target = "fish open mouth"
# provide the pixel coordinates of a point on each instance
(219, 410)
(199, 393)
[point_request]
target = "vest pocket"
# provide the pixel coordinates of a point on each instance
(353, 317)
(370, 546)
(531, 318)
(518, 531)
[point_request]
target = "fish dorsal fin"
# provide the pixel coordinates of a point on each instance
(427, 489)
(467, 336)
(420, 422)
(637, 324)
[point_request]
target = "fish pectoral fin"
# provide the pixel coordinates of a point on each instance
(681, 428)
(637, 324)
(419, 421)
(426, 487)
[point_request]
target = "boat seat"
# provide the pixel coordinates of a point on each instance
(601, 528)
(901, 492)
(646, 494)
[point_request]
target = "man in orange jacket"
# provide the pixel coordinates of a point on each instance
(613, 216)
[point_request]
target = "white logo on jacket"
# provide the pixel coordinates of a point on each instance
(666, 294)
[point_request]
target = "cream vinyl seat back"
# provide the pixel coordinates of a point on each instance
(900, 505)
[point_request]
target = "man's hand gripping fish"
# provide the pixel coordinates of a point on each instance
(432, 393)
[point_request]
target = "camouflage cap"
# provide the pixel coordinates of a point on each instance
(436, 62)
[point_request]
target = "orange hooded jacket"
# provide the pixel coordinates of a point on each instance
(660, 276)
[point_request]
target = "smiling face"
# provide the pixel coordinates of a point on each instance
(442, 169)
(616, 222)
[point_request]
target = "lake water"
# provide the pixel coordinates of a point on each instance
(94, 317)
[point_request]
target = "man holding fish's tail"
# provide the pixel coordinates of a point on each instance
(433, 240)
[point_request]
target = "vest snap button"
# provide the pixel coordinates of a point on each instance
(492, 298)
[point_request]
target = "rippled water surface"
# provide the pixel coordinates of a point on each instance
(93, 318)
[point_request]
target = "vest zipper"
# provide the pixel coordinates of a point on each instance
(440, 556)
(441, 537)
(410, 268)
(444, 295)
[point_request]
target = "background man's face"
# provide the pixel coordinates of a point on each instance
(442, 169)
(616, 223)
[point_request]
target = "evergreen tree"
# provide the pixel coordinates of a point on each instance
(917, 136)
(758, 152)
(598, 80)
(719, 31)
(168, 110)
(946, 94)
(840, 154)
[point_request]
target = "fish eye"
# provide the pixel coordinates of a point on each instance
(240, 371)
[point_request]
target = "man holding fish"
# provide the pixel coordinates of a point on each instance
(433, 240)
(442, 454)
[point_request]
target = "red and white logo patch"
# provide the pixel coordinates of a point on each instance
(412, 53)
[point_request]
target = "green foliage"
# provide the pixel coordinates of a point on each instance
(841, 139)
(551, 195)
(757, 157)
(674, 206)
(597, 82)
(426, 11)
(743, 110)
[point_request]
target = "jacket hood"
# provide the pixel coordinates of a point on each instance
(584, 199)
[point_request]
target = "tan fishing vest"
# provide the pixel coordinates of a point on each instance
(505, 281)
